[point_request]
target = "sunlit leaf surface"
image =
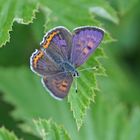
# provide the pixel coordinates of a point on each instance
(97, 118)
(48, 130)
(86, 83)
(15, 10)
(6, 135)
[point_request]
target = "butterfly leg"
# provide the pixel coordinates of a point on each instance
(76, 86)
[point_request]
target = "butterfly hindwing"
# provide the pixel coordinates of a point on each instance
(85, 40)
(59, 85)
(41, 64)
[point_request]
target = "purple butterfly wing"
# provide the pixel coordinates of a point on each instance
(41, 64)
(54, 79)
(85, 40)
(55, 48)
(57, 43)
(59, 85)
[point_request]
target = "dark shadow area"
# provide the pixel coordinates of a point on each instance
(24, 39)
(132, 60)
(18, 51)
(11, 124)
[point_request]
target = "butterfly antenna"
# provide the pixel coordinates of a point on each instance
(91, 68)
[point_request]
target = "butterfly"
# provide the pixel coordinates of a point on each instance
(61, 53)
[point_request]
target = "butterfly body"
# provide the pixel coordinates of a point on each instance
(61, 53)
(63, 65)
(69, 68)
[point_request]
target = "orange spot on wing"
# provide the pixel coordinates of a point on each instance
(50, 37)
(85, 51)
(60, 85)
(90, 44)
(37, 57)
(63, 86)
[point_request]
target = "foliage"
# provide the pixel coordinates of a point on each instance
(6, 135)
(14, 10)
(80, 102)
(48, 130)
(113, 114)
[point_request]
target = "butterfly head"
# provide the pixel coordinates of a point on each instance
(75, 73)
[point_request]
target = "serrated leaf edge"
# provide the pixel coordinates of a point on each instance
(92, 89)
(50, 122)
(20, 21)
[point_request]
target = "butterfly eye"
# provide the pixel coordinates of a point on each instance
(75, 74)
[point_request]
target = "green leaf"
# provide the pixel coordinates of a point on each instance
(132, 130)
(106, 119)
(104, 10)
(126, 6)
(6, 135)
(31, 100)
(103, 13)
(15, 10)
(48, 130)
(79, 103)
(80, 14)
(86, 83)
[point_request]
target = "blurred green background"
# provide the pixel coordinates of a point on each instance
(115, 115)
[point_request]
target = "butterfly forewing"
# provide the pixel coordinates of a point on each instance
(58, 42)
(85, 40)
